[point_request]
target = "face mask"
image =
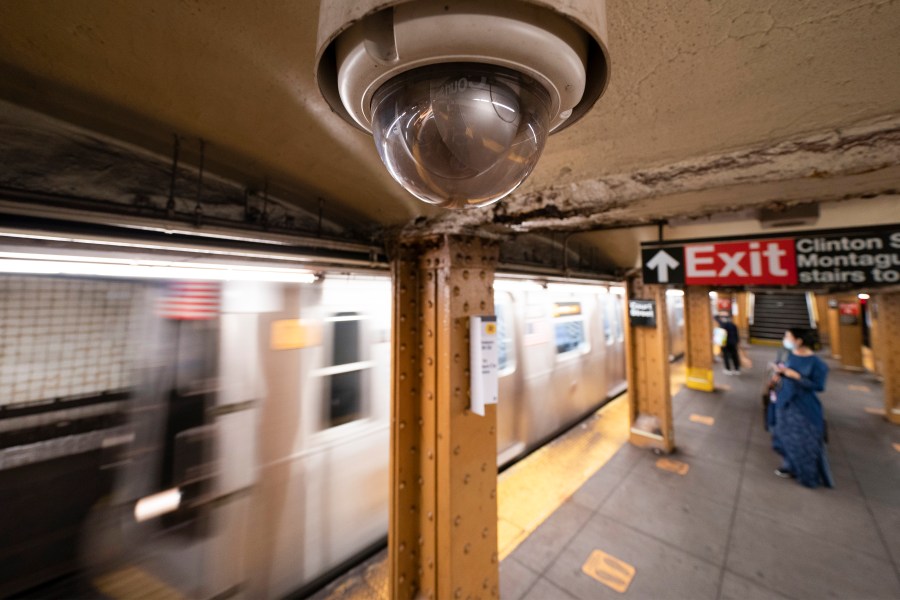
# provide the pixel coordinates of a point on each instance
(788, 344)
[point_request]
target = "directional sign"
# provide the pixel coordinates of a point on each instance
(861, 257)
(642, 313)
(664, 265)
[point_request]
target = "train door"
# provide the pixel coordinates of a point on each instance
(510, 405)
(160, 519)
(570, 314)
(614, 340)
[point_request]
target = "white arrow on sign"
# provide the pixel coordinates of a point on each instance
(661, 262)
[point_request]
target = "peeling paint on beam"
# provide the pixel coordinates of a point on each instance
(692, 187)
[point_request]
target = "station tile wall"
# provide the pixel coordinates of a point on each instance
(65, 337)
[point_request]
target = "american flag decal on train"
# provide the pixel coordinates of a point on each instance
(190, 300)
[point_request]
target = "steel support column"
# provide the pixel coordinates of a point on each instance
(698, 337)
(647, 358)
(851, 338)
(834, 328)
(443, 521)
(888, 352)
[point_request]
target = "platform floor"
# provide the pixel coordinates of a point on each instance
(715, 523)
(728, 527)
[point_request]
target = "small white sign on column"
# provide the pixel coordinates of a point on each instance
(483, 354)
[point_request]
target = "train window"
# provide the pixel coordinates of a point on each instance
(618, 316)
(568, 325)
(343, 379)
(609, 319)
(505, 343)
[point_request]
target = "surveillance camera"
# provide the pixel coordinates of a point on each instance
(461, 95)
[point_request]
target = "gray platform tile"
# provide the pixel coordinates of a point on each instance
(515, 579)
(712, 480)
(661, 570)
(726, 449)
(548, 540)
(762, 461)
(627, 457)
(887, 519)
(685, 520)
(880, 485)
(544, 590)
(873, 451)
(804, 566)
(827, 514)
(735, 587)
(600, 486)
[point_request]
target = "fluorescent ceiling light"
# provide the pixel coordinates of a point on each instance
(45, 264)
(862, 296)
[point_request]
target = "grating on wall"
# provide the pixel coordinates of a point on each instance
(65, 337)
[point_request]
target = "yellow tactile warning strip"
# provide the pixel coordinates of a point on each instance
(876, 411)
(675, 466)
(609, 570)
(703, 419)
(373, 585)
(859, 388)
(134, 583)
(530, 491)
(535, 487)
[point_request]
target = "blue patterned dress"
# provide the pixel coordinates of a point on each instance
(800, 422)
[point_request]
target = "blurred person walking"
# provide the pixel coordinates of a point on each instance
(799, 434)
(730, 347)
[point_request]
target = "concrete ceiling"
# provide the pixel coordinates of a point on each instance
(713, 106)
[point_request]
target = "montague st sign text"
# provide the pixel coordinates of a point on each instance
(868, 257)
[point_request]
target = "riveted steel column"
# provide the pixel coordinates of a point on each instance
(887, 307)
(647, 360)
(834, 328)
(698, 336)
(850, 338)
(443, 523)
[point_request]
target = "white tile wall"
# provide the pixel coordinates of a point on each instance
(62, 337)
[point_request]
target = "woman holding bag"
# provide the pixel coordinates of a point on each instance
(799, 418)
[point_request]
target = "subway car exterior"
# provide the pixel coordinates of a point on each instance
(233, 436)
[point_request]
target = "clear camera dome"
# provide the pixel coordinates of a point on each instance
(460, 135)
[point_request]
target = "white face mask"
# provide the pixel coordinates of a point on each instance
(788, 344)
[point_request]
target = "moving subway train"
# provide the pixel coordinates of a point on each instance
(231, 437)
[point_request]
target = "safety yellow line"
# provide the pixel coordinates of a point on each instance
(133, 583)
(533, 489)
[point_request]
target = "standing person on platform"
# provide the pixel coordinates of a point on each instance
(799, 419)
(730, 348)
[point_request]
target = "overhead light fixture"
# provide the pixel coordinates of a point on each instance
(48, 264)
(863, 296)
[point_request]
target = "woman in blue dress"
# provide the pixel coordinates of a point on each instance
(799, 419)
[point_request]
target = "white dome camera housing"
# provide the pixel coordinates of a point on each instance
(460, 96)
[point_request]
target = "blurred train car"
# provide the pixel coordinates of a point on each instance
(233, 436)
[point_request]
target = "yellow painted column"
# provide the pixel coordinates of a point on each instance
(834, 329)
(698, 337)
(822, 320)
(442, 539)
(647, 360)
(851, 339)
(888, 352)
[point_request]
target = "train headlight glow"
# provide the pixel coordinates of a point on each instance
(155, 505)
